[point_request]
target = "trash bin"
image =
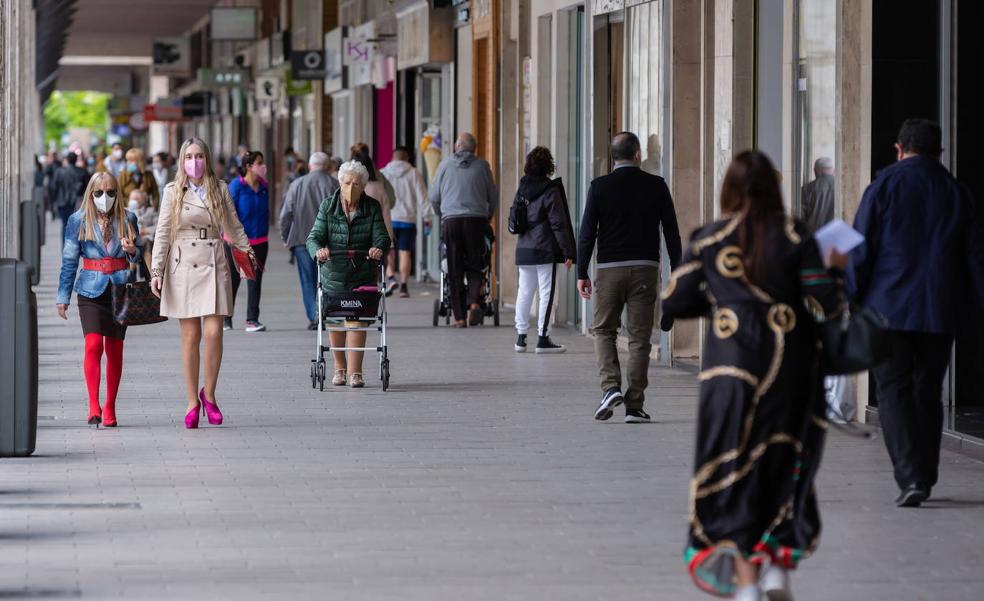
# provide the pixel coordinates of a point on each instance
(38, 198)
(18, 360)
(30, 238)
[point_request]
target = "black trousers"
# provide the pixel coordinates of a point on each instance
(253, 287)
(910, 404)
(465, 240)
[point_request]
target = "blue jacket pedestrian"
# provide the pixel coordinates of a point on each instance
(92, 283)
(253, 208)
(919, 253)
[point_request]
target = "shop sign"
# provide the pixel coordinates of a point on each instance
(262, 49)
(232, 24)
(279, 48)
(137, 121)
(298, 88)
(335, 80)
(413, 36)
(172, 56)
(267, 88)
(165, 109)
(359, 50)
(196, 104)
(222, 78)
(606, 6)
(307, 65)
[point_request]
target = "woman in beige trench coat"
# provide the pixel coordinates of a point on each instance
(189, 270)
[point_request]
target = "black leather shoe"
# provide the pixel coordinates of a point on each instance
(912, 496)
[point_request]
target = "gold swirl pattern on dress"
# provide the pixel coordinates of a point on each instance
(725, 323)
(728, 262)
(679, 272)
(781, 318)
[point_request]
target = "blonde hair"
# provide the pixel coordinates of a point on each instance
(90, 214)
(135, 154)
(214, 193)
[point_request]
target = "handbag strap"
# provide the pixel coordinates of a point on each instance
(142, 269)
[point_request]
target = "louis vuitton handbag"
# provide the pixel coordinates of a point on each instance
(134, 304)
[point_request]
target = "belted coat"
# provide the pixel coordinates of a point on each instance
(190, 255)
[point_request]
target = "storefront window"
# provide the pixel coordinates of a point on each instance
(815, 105)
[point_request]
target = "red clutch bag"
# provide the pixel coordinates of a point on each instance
(245, 264)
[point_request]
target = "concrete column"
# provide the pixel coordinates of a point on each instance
(511, 157)
(19, 117)
(853, 110)
(686, 24)
(852, 119)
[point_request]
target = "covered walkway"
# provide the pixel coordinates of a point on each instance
(480, 475)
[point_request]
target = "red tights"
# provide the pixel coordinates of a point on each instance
(94, 345)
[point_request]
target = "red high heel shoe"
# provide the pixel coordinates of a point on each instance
(211, 409)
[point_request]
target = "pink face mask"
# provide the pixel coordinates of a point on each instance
(194, 168)
(260, 170)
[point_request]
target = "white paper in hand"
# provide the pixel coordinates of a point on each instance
(837, 235)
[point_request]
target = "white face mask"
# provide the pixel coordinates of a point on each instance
(104, 203)
(133, 205)
(117, 154)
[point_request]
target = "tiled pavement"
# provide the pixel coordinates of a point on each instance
(480, 475)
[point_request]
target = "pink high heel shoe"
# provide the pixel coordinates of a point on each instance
(191, 418)
(211, 409)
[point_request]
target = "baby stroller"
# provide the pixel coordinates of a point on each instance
(365, 306)
(489, 301)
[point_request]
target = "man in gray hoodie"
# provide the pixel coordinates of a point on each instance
(463, 195)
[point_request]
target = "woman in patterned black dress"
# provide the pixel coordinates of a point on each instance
(758, 276)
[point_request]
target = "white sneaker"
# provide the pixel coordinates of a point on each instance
(255, 326)
(774, 582)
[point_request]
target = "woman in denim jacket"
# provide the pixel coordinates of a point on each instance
(103, 234)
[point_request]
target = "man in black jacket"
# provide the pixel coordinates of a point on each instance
(624, 212)
(66, 188)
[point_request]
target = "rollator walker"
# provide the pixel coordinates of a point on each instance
(365, 306)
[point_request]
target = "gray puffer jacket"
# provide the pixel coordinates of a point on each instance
(550, 237)
(463, 187)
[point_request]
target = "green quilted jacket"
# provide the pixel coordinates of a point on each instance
(331, 229)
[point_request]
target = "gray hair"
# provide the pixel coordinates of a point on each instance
(823, 165)
(318, 159)
(466, 142)
(356, 168)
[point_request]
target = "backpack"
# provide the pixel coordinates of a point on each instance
(519, 218)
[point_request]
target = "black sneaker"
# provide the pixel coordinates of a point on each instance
(313, 325)
(637, 416)
(912, 496)
(613, 398)
(404, 292)
(545, 345)
(227, 324)
(520, 345)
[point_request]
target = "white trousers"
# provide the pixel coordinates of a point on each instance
(532, 279)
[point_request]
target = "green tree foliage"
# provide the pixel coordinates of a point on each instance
(65, 110)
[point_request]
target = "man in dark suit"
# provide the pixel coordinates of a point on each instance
(919, 252)
(623, 213)
(66, 187)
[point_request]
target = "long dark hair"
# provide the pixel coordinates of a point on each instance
(751, 188)
(360, 152)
